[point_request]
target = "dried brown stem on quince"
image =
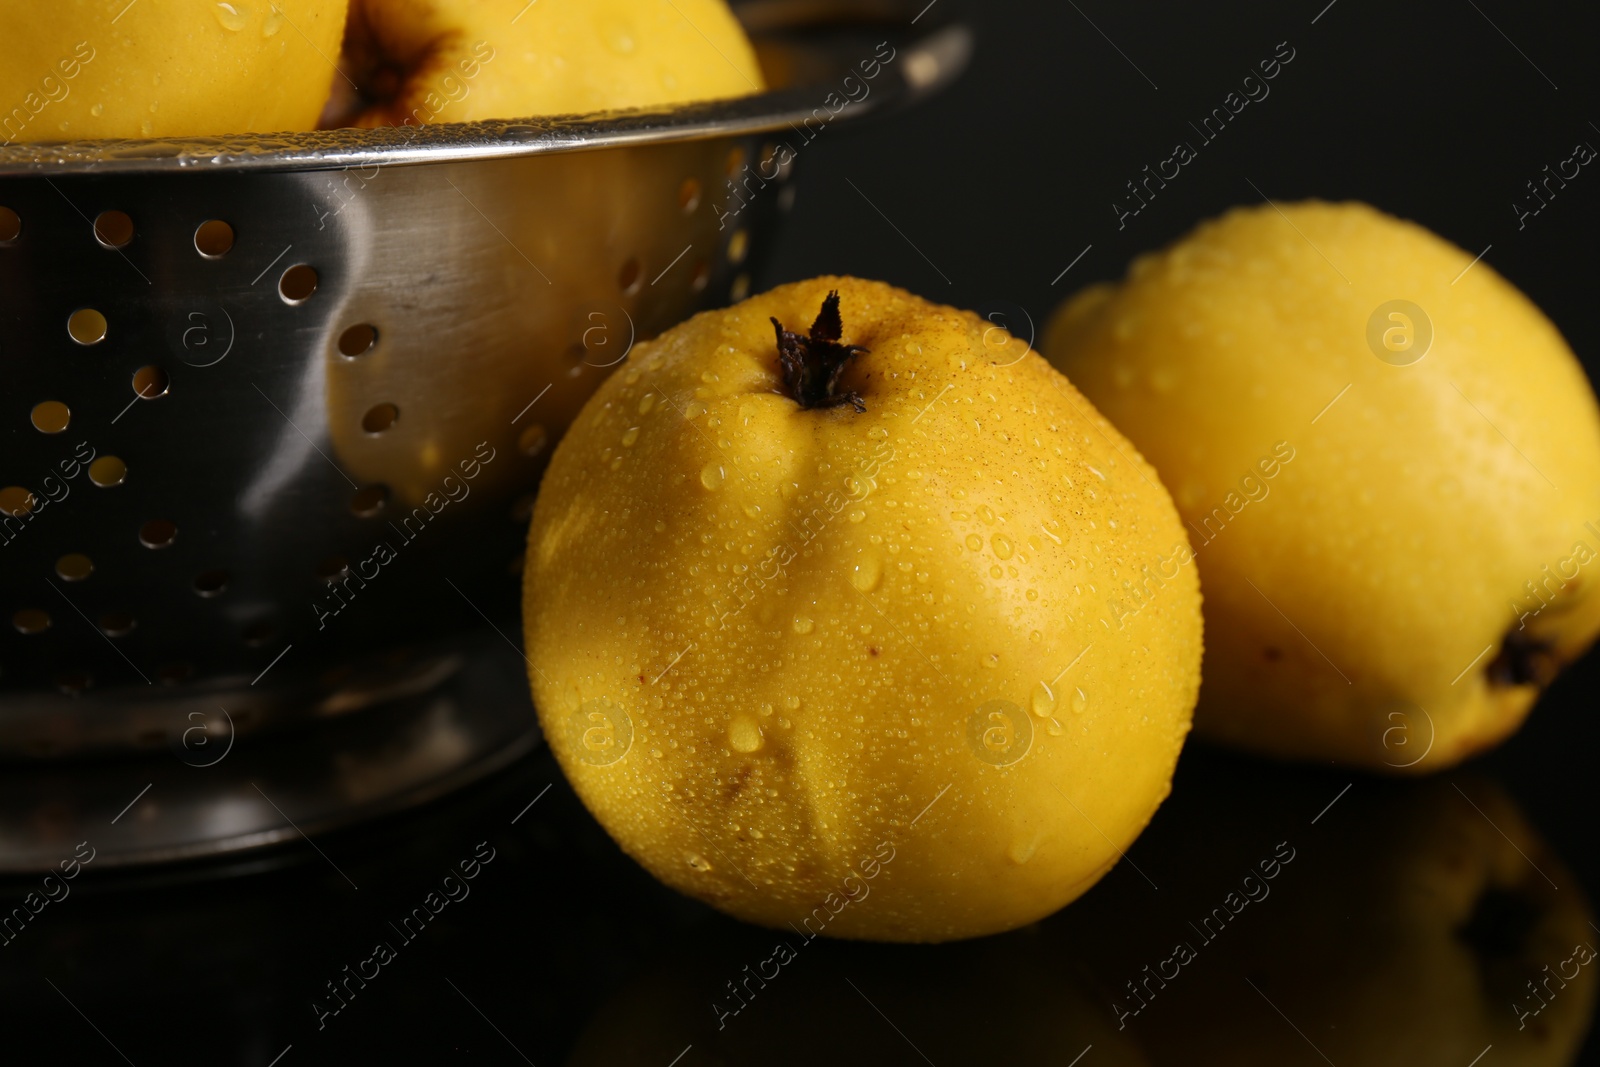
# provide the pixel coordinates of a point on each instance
(1523, 660)
(812, 364)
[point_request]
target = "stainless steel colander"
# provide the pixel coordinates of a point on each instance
(273, 409)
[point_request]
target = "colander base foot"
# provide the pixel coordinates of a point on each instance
(290, 786)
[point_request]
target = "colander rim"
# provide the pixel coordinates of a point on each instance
(921, 67)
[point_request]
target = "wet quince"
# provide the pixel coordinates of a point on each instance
(422, 61)
(90, 69)
(846, 614)
(1389, 460)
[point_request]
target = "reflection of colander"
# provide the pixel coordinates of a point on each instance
(274, 410)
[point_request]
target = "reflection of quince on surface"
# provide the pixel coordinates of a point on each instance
(423, 61)
(1421, 534)
(802, 606)
(165, 69)
(1001, 1001)
(1404, 932)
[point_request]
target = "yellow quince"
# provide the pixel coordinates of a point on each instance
(872, 629)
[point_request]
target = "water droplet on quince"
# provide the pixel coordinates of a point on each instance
(1022, 849)
(866, 574)
(744, 735)
(232, 16)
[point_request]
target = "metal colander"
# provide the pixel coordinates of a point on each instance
(274, 409)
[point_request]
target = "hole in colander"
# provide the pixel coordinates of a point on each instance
(297, 284)
(740, 288)
(258, 633)
(74, 682)
(31, 621)
(211, 583)
(735, 161)
(213, 238)
(108, 471)
(628, 277)
(74, 567)
(522, 508)
(738, 245)
(333, 568)
(358, 340)
(174, 673)
(10, 226)
(86, 326)
(379, 418)
(151, 738)
(157, 533)
(117, 623)
(15, 501)
(114, 229)
(150, 382)
(689, 195)
(702, 275)
(51, 416)
(369, 501)
(532, 439)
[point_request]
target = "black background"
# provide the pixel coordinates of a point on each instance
(1425, 110)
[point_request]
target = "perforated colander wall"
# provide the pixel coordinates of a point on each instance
(272, 422)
